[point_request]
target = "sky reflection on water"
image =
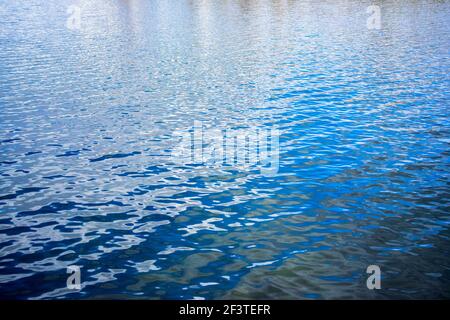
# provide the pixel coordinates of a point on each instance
(86, 130)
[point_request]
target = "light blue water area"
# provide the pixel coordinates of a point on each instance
(87, 122)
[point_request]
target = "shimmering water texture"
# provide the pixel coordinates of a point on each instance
(86, 132)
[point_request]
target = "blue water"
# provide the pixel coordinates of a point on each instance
(86, 129)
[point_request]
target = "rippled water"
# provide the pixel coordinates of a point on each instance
(86, 130)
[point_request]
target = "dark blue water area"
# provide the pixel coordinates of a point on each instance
(89, 118)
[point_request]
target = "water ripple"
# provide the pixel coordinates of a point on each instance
(88, 122)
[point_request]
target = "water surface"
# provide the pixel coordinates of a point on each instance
(86, 130)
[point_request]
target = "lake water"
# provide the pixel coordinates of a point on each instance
(89, 108)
